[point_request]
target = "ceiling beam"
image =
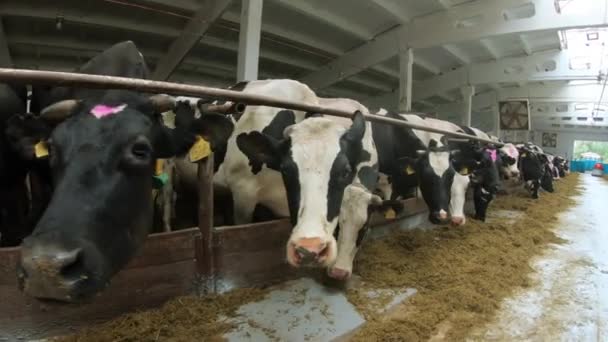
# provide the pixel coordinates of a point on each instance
(197, 26)
(494, 86)
(491, 48)
(278, 31)
(426, 64)
(458, 53)
(551, 92)
(525, 45)
(507, 70)
(451, 26)
(396, 11)
(74, 15)
(445, 4)
(427, 103)
(5, 54)
(446, 97)
(328, 17)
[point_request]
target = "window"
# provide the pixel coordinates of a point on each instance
(580, 63)
(586, 45)
(593, 36)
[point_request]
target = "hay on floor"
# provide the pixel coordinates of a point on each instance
(461, 274)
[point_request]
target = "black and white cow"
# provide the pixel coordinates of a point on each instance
(562, 166)
(441, 167)
(102, 155)
(482, 162)
(535, 169)
(409, 159)
(319, 171)
(509, 155)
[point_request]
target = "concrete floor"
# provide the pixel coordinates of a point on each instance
(569, 301)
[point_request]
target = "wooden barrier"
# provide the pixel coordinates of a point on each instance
(169, 265)
(166, 267)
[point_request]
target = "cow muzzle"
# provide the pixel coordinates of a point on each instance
(53, 272)
(438, 217)
(311, 252)
(458, 221)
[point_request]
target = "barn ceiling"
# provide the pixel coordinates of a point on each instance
(340, 48)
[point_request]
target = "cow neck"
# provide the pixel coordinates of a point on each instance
(393, 143)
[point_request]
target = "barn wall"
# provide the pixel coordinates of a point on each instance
(482, 120)
(565, 141)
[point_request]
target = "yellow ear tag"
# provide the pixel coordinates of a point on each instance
(158, 167)
(464, 171)
(409, 170)
(390, 214)
(41, 150)
(200, 149)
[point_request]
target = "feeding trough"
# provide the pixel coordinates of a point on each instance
(204, 258)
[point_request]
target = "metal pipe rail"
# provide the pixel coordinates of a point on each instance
(110, 82)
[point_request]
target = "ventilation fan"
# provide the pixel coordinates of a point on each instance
(550, 140)
(514, 115)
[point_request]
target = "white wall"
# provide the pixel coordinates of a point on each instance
(565, 141)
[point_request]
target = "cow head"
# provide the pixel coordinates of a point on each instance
(435, 174)
(509, 156)
(317, 159)
(546, 181)
(102, 157)
(486, 179)
(562, 166)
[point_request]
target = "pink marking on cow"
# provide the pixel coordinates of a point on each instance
(492, 154)
(101, 111)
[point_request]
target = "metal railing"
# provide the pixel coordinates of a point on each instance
(110, 82)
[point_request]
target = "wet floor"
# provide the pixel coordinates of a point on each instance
(568, 300)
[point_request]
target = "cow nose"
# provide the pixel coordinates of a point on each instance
(310, 251)
(439, 217)
(52, 262)
(338, 273)
(458, 221)
(51, 272)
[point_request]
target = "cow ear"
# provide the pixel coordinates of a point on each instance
(260, 149)
(59, 111)
(168, 143)
(357, 129)
(215, 128)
